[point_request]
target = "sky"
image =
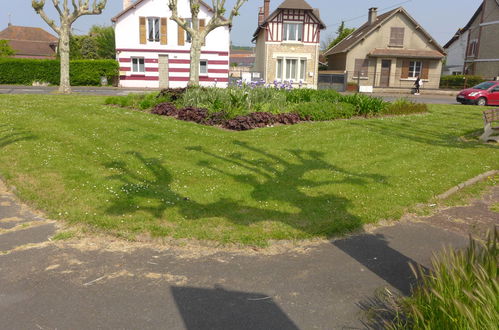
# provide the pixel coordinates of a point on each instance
(441, 18)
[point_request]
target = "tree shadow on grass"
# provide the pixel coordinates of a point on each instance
(9, 136)
(432, 132)
(279, 190)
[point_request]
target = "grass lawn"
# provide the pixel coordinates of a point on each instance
(129, 172)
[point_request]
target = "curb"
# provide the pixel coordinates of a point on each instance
(468, 183)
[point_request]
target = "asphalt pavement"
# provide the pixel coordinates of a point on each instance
(104, 283)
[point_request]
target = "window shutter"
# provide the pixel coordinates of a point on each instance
(181, 36)
(405, 69)
(397, 36)
(142, 30)
(202, 25)
(164, 31)
(426, 70)
(361, 66)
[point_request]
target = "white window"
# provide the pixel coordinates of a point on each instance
(291, 69)
(293, 32)
(415, 69)
(153, 28)
(138, 65)
(203, 67)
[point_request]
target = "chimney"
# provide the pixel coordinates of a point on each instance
(127, 3)
(373, 15)
(261, 16)
(266, 9)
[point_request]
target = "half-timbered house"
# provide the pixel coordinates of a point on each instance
(287, 43)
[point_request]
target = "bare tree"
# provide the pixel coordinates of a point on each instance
(67, 17)
(198, 33)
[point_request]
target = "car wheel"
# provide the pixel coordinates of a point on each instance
(481, 101)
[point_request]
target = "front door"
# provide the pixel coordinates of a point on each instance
(384, 80)
(163, 71)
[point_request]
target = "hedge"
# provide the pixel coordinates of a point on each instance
(458, 82)
(20, 71)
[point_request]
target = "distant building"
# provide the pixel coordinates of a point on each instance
(482, 50)
(30, 42)
(456, 52)
(288, 42)
(242, 58)
(389, 51)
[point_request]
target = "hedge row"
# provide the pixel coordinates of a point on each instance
(82, 72)
(459, 81)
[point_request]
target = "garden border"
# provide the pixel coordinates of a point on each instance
(467, 183)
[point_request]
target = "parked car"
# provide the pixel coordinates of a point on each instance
(486, 93)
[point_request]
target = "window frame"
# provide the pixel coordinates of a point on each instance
(285, 74)
(395, 33)
(413, 69)
(298, 32)
(137, 65)
(156, 29)
(200, 67)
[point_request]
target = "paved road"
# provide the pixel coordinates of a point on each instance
(101, 283)
(111, 91)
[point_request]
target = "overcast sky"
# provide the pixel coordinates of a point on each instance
(441, 18)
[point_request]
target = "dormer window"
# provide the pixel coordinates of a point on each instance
(293, 31)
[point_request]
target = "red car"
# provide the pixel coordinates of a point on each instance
(486, 93)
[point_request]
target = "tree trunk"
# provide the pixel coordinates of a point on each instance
(196, 43)
(64, 85)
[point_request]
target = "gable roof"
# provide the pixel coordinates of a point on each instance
(27, 33)
(366, 29)
(291, 4)
(29, 41)
(295, 4)
(138, 2)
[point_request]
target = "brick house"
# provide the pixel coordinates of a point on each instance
(153, 51)
(482, 47)
(287, 43)
(30, 42)
(388, 51)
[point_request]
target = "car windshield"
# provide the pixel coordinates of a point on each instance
(484, 85)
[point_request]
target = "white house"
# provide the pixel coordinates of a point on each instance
(456, 53)
(154, 52)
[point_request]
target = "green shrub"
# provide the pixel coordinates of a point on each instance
(364, 104)
(404, 106)
(137, 101)
(82, 72)
(460, 292)
(320, 111)
(457, 82)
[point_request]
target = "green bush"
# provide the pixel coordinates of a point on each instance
(457, 82)
(460, 292)
(138, 101)
(82, 72)
(320, 111)
(404, 106)
(365, 105)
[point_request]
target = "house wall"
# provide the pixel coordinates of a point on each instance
(456, 55)
(260, 52)
(298, 50)
(487, 61)
(414, 39)
(216, 51)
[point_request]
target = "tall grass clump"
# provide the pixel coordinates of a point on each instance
(366, 105)
(403, 106)
(460, 292)
(138, 101)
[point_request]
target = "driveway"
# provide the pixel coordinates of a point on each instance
(101, 282)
